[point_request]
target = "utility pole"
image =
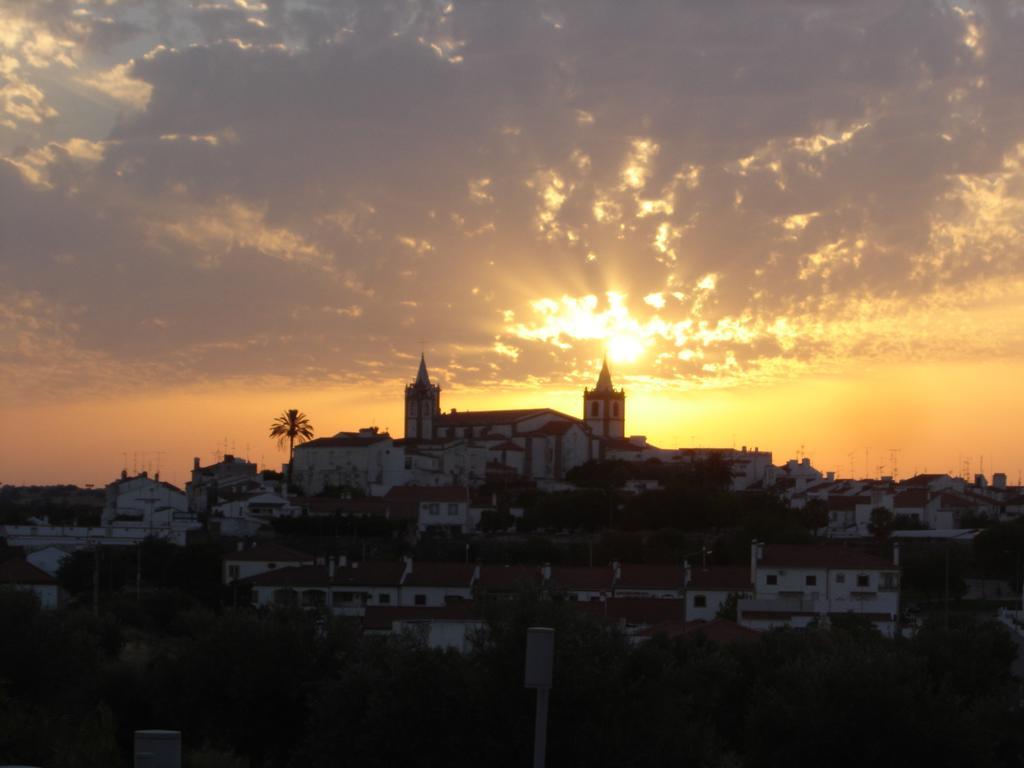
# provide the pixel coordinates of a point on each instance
(96, 581)
(945, 588)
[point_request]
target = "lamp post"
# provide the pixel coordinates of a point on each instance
(540, 651)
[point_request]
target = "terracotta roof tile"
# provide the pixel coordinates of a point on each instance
(18, 570)
(440, 575)
(509, 578)
(634, 576)
(270, 552)
(581, 577)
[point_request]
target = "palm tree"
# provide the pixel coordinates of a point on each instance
(289, 427)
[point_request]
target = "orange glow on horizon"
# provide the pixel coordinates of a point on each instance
(939, 416)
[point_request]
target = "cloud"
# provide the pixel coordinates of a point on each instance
(119, 85)
(714, 193)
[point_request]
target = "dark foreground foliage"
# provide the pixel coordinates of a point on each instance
(303, 690)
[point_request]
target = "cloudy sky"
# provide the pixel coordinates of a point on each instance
(792, 224)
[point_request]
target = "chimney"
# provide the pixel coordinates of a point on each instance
(687, 573)
(999, 480)
(195, 463)
(157, 477)
(408, 568)
(831, 476)
(616, 571)
(896, 553)
(124, 474)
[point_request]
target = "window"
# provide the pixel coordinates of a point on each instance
(811, 581)
(771, 579)
(339, 598)
(840, 578)
(889, 581)
(863, 580)
(615, 409)
(383, 599)
(595, 409)
(453, 509)
(419, 600)
(434, 509)
(700, 601)
(232, 571)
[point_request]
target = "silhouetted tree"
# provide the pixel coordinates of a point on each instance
(290, 427)
(881, 524)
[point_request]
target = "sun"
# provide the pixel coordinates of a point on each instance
(624, 348)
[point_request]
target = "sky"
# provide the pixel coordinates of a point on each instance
(791, 225)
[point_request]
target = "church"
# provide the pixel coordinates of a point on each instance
(473, 448)
(534, 443)
(470, 448)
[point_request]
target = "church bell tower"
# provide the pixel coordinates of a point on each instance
(422, 405)
(604, 407)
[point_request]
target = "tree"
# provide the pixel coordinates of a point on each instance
(881, 524)
(290, 426)
(814, 515)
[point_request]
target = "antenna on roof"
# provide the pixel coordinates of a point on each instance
(894, 455)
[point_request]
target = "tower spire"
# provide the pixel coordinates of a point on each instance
(604, 379)
(422, 378)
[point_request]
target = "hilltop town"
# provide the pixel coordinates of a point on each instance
(417, 530)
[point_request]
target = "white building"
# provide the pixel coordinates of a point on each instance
(230, 474)
(708, 588)
(262, 558)
(795, 585)
(18, 573)
(245, 514)
(48, 559)
(435, 509)
(367, 460)
(144, 502)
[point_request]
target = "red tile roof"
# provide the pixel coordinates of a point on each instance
(821, 556)
(270, 552)
(508, 578)
(364, 574)
(493, 418)
(440, 575)
(633, 576)
(581, 577)
(923, 479)
(723, 577)
(20, 571)
(348, 441)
